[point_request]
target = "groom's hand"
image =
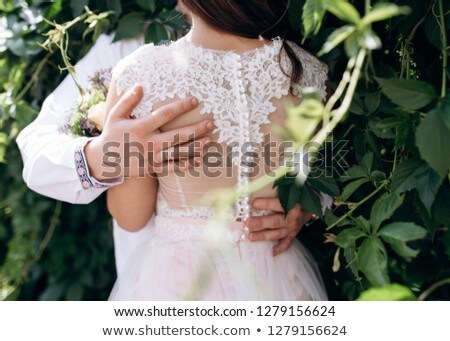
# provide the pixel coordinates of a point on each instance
(144, 139)
(276, 226)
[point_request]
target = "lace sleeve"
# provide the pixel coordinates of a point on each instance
(315, 72)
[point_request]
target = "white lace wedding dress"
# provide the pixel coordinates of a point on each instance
(243, 93)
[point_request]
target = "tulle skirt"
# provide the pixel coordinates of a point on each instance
(191, 259)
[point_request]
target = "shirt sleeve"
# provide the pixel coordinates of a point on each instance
(48, 155)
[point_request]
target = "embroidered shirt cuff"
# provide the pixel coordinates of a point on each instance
(82, 169)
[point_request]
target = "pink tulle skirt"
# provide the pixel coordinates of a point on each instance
(191, 259)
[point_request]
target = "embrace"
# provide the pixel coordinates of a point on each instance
(217, 91)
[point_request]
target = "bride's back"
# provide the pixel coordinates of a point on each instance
(244, 93)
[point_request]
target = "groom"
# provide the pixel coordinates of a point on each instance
(48, 155)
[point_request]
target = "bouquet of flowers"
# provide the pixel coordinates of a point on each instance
(89, 115)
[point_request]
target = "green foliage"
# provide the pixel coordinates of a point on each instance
(390, 222)
(391, 219)
(49, 250)
(391, 292)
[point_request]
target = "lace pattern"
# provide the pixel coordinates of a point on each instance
(163, 209)
(182, 69)
(237, 89)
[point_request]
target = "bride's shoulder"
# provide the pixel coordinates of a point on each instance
(145, 53)
(139, 64)
(315, 72)
(307, 58)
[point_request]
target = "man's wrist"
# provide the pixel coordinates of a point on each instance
(93, 154)
(94, 159)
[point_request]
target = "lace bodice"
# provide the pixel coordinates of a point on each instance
(218, 79)
(238, 90)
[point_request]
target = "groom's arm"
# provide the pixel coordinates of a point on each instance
(48, 154)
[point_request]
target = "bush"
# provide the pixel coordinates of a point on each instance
(390, 220)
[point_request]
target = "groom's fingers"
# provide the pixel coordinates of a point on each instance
(266, 235)
(186, 151)
(126, 104)
(282, 246)
(270, 204)
(185, 134)
(170, 167)
(274, 221)
(167, 113)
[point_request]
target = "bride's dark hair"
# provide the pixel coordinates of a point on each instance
(250, 19)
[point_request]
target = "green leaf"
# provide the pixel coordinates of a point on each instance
(402, 249)
(384, 11)
(325, 184)
(352, 261)
(372, 261)
(343, 10)
(130, 26)
(116, 7)
(408, 93)
(148, 5)
(348, 237)
(336, 38)
(310, 201)
(329, 218)
(390, 292)
(441, 206)
(433, 139)
(288, 193)
(77, 6)
(402, 231)
(427, 184)
(378, 177)
(444, 110)
(398, 233)
(355, 172)
(312, 16)
(367, 162)
(3, 145)
(404, 177)
(357, 105)
(287, 180)
(294, 195)
(352, 187)
(173, 19)
(384, 208)
(372, 102)
(54, 9)
(361, 222)
(351, 46)
(156, 33)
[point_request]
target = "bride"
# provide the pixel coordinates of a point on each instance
(236, 62)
